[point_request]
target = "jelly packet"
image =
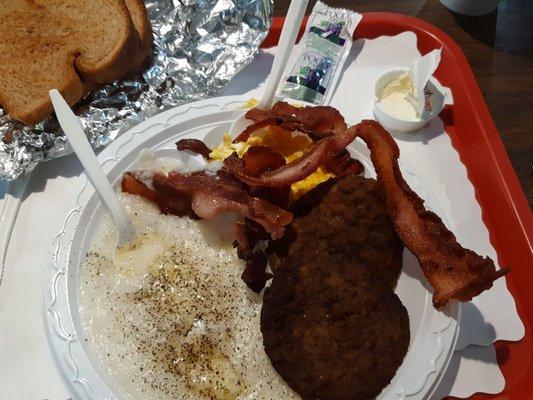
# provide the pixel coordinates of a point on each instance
(322, 52)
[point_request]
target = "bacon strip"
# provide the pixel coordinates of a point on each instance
(318, 122)
(250, 129)
(287, 174)
(453, 271)
(261, 159)
(169, 200)
(248, 234)
(324, 152)
(323, 124)
(205, 196)
(342, 164)
(254, 274)
(195, 146)
(132, 185)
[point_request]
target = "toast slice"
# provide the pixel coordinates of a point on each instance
(139, 15)
(69, 45)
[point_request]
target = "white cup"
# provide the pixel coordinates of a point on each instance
(471, 7)
(436, 95)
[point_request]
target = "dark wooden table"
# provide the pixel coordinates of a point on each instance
(499, 47)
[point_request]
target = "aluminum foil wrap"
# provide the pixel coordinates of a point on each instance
(199, 45)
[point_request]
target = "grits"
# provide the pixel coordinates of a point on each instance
(171, 318)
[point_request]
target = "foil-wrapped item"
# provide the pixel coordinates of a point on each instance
(199, 45)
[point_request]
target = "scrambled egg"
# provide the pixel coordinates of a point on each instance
(289, 145)
(227, 147)
(251, 103)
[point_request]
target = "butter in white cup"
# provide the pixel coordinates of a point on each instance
(395, 102)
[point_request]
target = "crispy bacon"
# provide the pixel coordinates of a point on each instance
(318, 122)
(254, 274)
(321, 123)
(195, 146)
(287, 174)
(205, 196)
(342, 164)
(169, 200)
(250, 129)
(248, 234)
(260, 159)
(279, 196)
(130, 184)
(453, 271)
(324, 152)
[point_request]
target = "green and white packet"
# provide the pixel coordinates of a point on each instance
(313, 72)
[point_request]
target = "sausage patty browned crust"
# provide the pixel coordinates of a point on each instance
(344, 216)
(332, 326)
(331, 329)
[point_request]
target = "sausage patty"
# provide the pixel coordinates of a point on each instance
(332, 326)
(331, 329)
(344, 216)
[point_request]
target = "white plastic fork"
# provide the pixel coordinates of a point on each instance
(287, 39)
(79, 142)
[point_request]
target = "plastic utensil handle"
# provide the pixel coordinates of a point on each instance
(12, 200)
(421, 71)
(287, 39)
(79, 142)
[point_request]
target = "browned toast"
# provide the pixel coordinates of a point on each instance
(142, 24)
(69, 45)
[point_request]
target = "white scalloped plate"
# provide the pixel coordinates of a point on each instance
(433, 333)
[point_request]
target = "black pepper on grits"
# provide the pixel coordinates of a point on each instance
(178, 322)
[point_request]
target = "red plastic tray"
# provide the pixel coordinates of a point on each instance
(504, 207)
